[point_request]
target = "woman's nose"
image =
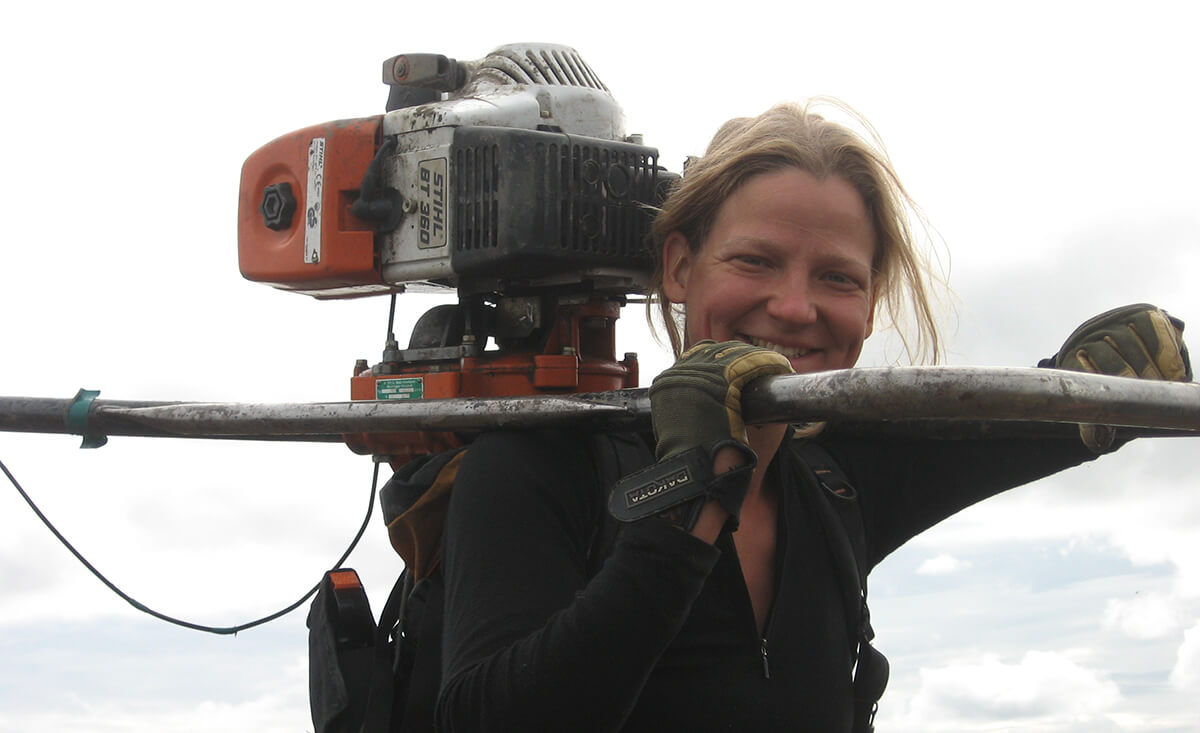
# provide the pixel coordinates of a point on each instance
(791, 301)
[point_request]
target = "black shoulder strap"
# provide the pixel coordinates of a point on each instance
(841, 517)
(615, 456)
(841, 495)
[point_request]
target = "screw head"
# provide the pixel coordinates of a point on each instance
(400, 68)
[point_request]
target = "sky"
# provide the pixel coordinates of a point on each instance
(1052, 147)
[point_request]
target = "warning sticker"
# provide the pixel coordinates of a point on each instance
(312, 214)
(406, 388)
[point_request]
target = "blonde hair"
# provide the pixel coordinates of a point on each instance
(787, 136)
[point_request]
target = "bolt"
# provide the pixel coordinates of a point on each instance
(278, 206)
(400, 68)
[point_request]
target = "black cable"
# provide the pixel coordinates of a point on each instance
(179, 622)
(391, 333)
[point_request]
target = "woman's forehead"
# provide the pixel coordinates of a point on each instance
(793, 202)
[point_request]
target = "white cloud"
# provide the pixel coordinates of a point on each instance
(1141, 501)
(1042, 689)
(943, 564)
(271, 697)
(1186, 673)
(268, 714)
(1150, 616)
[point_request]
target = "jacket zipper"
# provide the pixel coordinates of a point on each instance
(780, 552)
(777, 474)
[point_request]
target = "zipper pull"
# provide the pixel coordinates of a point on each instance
(766, 664)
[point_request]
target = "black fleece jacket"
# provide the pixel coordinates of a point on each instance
(663, 637)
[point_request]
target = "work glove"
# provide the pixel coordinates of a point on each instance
(697, 404)
(698, 401)
(1140, 341)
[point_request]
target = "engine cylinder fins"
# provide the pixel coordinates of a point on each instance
(545, 64)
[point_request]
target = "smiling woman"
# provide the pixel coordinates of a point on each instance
(732, 589)
(861, 198)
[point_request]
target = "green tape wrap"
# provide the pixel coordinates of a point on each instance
(77, 419)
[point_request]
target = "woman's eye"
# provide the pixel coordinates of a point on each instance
(841, 278)
(752, 260)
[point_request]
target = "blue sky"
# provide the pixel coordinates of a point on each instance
(1052, 146)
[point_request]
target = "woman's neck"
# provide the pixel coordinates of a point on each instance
(764, 441)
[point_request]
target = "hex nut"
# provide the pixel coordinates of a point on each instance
(278, 206)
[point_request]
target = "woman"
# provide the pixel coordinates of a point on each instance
(718, 607)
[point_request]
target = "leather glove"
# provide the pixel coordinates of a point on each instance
(698, 401)
(1140, 341)
(696, 408)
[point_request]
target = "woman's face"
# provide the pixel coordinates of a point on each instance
(787, 266)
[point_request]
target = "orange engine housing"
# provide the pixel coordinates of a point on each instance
(295, 228)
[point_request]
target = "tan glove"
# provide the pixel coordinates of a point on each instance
(698, 401)
(1140, 341)
(696, 408)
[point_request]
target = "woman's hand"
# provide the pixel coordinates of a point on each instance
(697, 404)
(1140, 341)
(698, 401)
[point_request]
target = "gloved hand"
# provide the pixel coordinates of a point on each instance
(698, 401)
(1140, 341)
(696, 408)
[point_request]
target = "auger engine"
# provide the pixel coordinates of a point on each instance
(510, 180)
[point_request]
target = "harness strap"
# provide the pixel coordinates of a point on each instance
(615, 455)
(839, 508)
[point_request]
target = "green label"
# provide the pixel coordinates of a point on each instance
(408, 388)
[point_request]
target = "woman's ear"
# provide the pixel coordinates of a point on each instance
(677, 263)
